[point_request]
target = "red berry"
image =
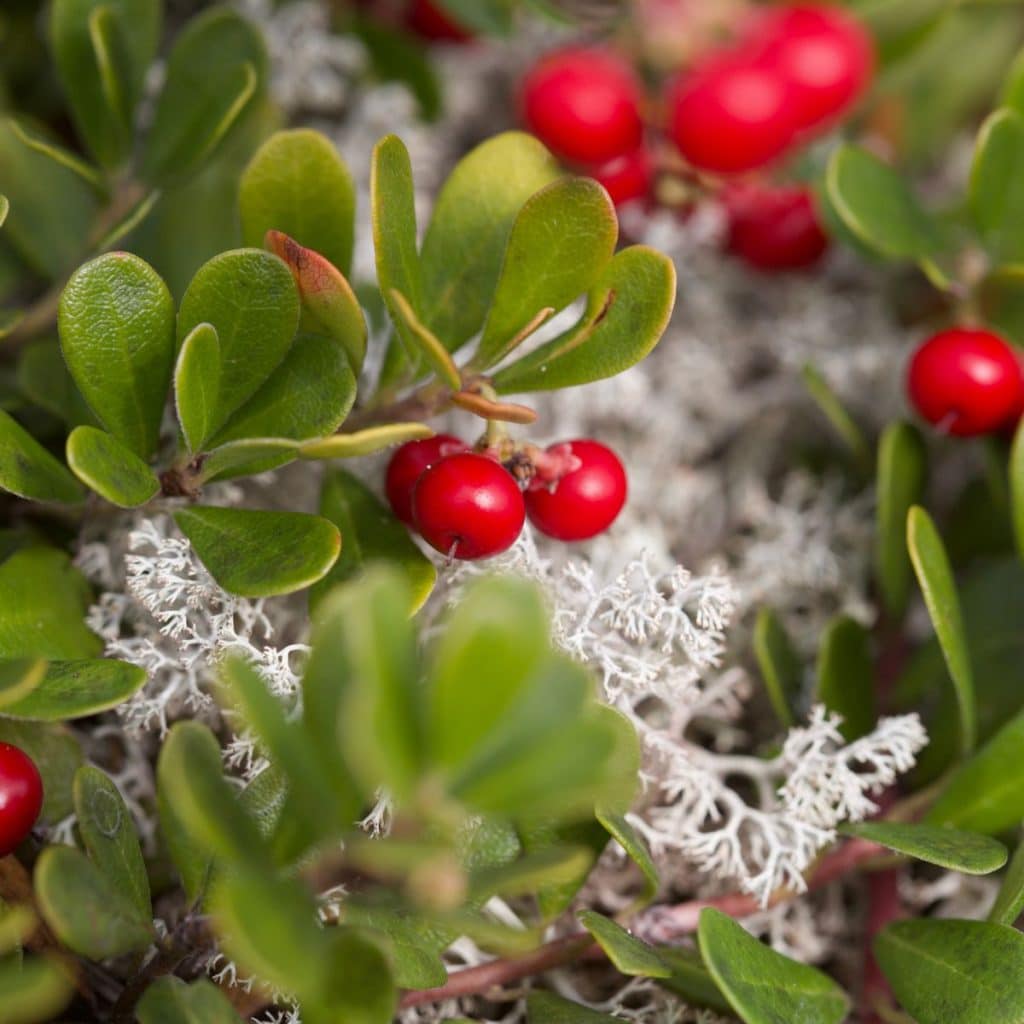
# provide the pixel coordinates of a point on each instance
(584, 105)
(626, 177)
(21, 797)
(731, 115)
(586, 500)
(428, 21)
(408, 464)
(774, 228)
(468, 505)
(965, 381)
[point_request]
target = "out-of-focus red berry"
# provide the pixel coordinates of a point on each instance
(21, 797)
(584, 105)
(408, 464)
(774, 227)
(965, 381)
(427, 20)
(627, 177)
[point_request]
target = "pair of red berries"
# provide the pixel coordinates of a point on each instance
(21, 797)
(469, 505)
(967, 382)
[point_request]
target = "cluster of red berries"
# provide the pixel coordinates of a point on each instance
(469, 505)
(21, 797)
(791, 74)
(967, 382)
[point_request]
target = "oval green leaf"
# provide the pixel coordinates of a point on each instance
(996, 189)
(28, 470)
(781, 668)
(1009, 904)
(967, 852)
(846, 676)
(628, 954)
(76, 689)
(197, 384)
(241, 458)
(170, 1000)
(18, 678)
(110, 468)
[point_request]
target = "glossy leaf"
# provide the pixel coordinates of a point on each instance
(627, 313)
(197, 384)
(233, 543)
(846, 676)
(216, 67)
(372, 534)
(34, 990)
(169, 1000)
(28, 470)
(949, 970)
(1009, 904)
(110, 468)
(902, 468)
(780, 666)
(77, 689)
(739, 964)
(250, 299)
(628, 954)
(117, 334)
(297, 184)
(935, 577)
(967, 852)
(996, 186)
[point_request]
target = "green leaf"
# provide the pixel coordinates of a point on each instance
(57, 755)
(87, 913)
(372, 534)
(117, 334)
(561, 241)
(43, 600)
(547, 1008)
(627, 312)
(108, 831)
(44, 379)
(996, 191)
(546, 867)
(426, 344)
(874, 202)
(464, 245)
(846, 676)
(52, 151)
(364, 442)
(493, 17)
(627, 953)
(415, 943)
(233, 544)
(636, 849)
(739, 964)
(842, 422)
(28, 470)
(902, 468)
(943, 971)
(250, 299)
(218, 64)
(77, 689)
(1009, 902)
(935, 577)
(986, 793)
(299, 185)
(397, 56)
(17, 924)
(197, 384)
(34, 990)
(968, 852)
(110, 468)
(1000, 299)
(18, 678)
(170, 1000)
(248, 456)
(780, 666)
(691, 979)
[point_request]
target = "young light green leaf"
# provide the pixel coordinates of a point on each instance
(364, 442)
(246, 457)
(1009, 902)
(935, 577)
(967, 852)
(87, 913)
(218, 64)
(77, 689)
(636, 849)
(18, 678)
(169, 1000)
(843, 423)
(34, 990)
(299, 185)
(371, 534)
(902, 467)
(233, 544)
(798, 994)
(947, 970)
(56, 753)
(250, 299)
(996, 189)
(429, 348)
(28, 470)
(110, 468)
(691, 979)
(197, 384)
(628, 954)
(627, 312)
(560, 243)
(780, 666)
(108, 831)
(846, 676)
(117, 334)
(547, 1008)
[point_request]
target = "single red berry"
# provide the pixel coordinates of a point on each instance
(965, 381)
(586, 500)
(584, 105)
(469, 506)
(408, 464)
(21, 797)
(774, 227)
(731, 115)
(627, 177)
(825, 55)
(427, 20)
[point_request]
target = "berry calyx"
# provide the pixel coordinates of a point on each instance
(409, 463)
(21, 797)
(428, 21)
(468, 506)
(586, 500)
(626, 178)
(965, 381)
(774, 227)
(584, 105)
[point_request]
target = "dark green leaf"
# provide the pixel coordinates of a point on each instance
(846, 676)
(691, 979)
(549, 866)
(197, 384)
(110, 468)
(997, 186)
(44, 379)
(493, 17)
(77, 689)
(626, 952)
(547, 1008)
(29, 470)
(170, 1000)
(968, 852)
(1009, 902)
(361, 988)
(636, 849)
(415, 943)
(780, 666)
(842, 422)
